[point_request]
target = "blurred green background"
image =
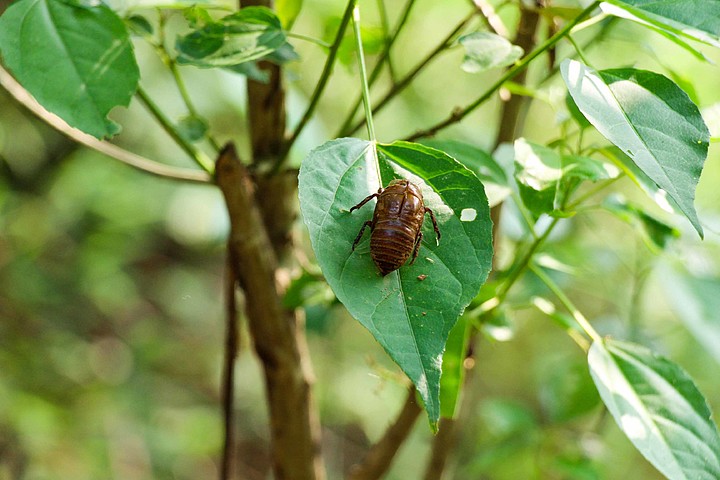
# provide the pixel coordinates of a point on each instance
(111, 327)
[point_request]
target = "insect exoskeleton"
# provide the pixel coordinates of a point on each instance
(396, 225)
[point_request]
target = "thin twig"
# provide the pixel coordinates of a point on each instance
(232, 341)
(199, 157)
(375, 73)
(320, 87)
(381, 454)
(409, 77)
(460, 113)
(113, 151)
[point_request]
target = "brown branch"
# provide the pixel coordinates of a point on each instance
(113, 151)
(378, 459)
(277, 334)
(228, 382)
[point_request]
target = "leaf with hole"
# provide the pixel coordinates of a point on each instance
(659, 408)
(410, 311)
(77, 61)
(650, 119)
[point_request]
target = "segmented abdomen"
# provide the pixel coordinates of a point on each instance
(391, 244)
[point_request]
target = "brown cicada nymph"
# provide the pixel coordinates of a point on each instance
(395, 229)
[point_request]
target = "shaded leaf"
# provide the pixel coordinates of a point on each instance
(249, 34)
(568, 391)
(659, 408)
(490, 173)
(192, 128)
(484, 50)
(657, 232)
(411, 310)
(77, 61)
(652, 120)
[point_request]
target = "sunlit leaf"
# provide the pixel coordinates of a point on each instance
(696, 19)
(659, 408)
(485, 50)
(77, 61)
(652, 120)
(411, 310)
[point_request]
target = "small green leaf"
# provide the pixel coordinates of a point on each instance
(538, 171)
(197, 16)
(77, 61)
(411, 310)
(652, 120)
(658, 233)
(484, 50)
(657, 405)
(140, 25)
(696, 19)
(192, 128)
(490, 173)
(697, 303)
(249, 34)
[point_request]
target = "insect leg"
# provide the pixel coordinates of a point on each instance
(365, 225)
(435, 225)
(366, 199)
(418, 239)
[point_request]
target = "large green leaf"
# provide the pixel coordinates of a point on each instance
(651, 119)
(77, 61)
(244, 36)
(411, 310)
(697, 19)
(659, 408)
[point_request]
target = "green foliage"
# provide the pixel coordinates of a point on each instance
(659, 408)
(249, 34)
(648, 117)
(484, 51)
(76, 60)
(688, 18)
(409, 315)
